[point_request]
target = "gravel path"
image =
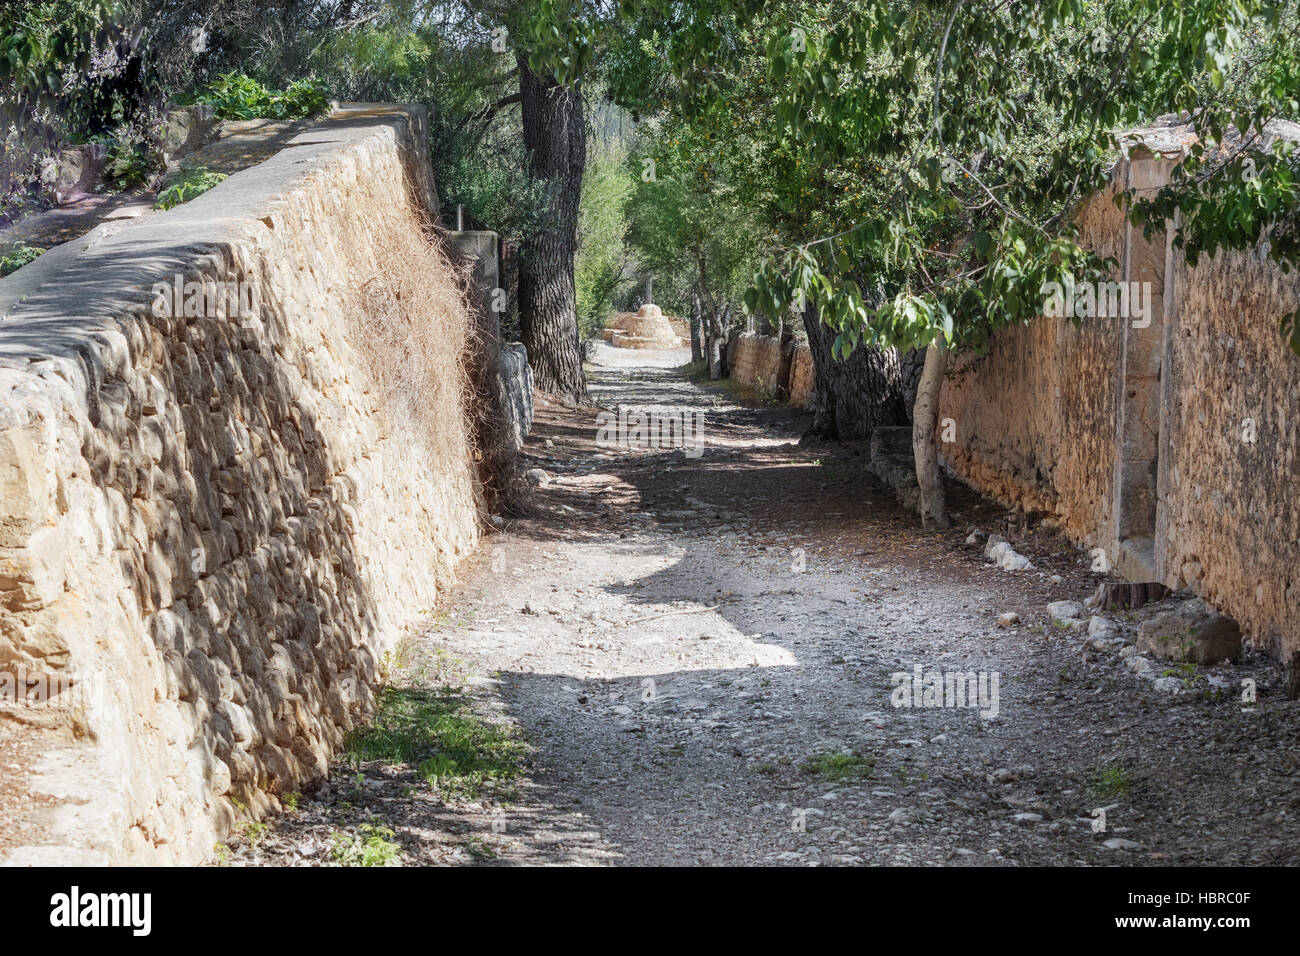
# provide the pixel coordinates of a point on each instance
(701, 652)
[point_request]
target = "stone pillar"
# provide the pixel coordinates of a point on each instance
(478, 248)
(1145, 267)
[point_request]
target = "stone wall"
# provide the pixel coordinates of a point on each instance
(515, 381)
(1229, 518)
(755, 361)
(1130, 435)
(802, 376)
(1033, 421)
(761, 362)
(215, 526)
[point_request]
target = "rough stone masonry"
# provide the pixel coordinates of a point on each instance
(1167, 441)
(212, 529)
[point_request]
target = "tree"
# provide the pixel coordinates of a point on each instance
(724, 108)
(558, 39)
(475, 63)
(555, 137)
(602, 266)
(692, 226)
(948, 145)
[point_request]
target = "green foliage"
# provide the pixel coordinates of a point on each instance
(371, 845)
(191, 181)
(378, 58)
(932, 155)
(839, 766)
(16, 256)
(559, 36)
(300, 99)
(130, 163)
(601, 266)
(39, 42)
(237, 96)
(694, 223)
(455, 750)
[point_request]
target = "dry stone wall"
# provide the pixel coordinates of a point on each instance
(755, 361)
(802, 376)
(1034, 417)
(213, 527)
(1230, 481)
(1173, 445)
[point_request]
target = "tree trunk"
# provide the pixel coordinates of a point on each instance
(555, 138)
(854, 395)
(697, 332)
(714, 341)
(785, 342)
(934, 513)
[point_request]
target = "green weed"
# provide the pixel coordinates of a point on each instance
(453, 748)
(839, 765)
(190, 182)
(371, 845)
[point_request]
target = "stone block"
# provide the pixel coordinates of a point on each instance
(1191, 632)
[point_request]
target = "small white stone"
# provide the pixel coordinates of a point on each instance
(1168, 685)
(1100, 627)
(1119, 843)
(1064, 610)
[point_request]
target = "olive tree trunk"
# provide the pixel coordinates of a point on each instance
(697, 330)
(925, 415)
(555, 138)
(853, 395)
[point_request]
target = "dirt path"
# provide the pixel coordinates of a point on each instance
(700, 652)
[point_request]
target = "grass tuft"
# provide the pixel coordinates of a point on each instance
(189, 182)
(371, 845)
(454, 749)
(839, 765)
(1108, 781)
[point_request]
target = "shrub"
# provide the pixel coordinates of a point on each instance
(190, 182)
(130, 163)
(301, 98)
(371, 845)
(237, 96)
(17, 256)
